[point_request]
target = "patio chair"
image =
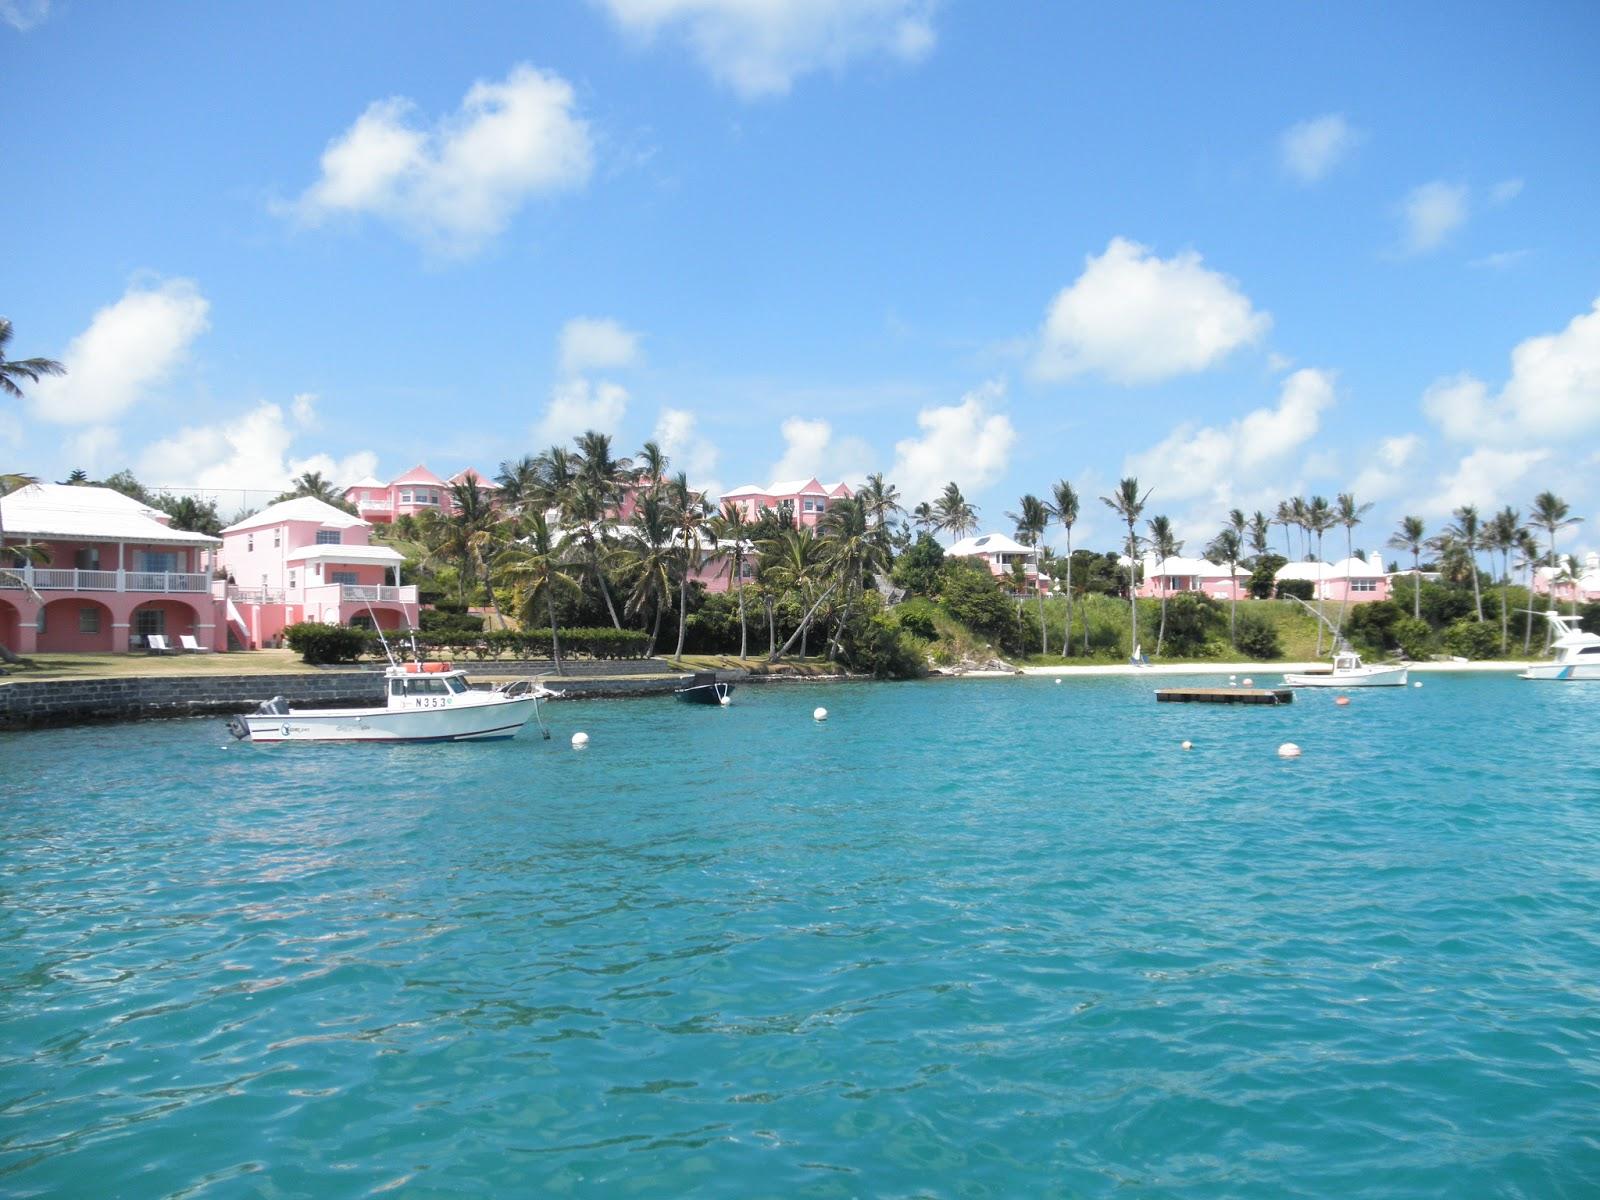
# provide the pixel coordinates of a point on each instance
(156, 643)
(191, 646)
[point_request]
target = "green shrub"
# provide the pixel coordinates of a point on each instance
(1472, 639)
(1256, 636)
(318, 643)
(1262, 577)
(1373, 624)
(1192, 617)
(1300, 589)
(879, 645)
(917, 570)
(971, 595)
(1413, 637)
(916, 618)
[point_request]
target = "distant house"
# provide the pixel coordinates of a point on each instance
(806, 499)
(1001, 554)
(113, 573)
(416, 491)
(1355, 580)
(1173, 575)
(305, 560)
(1570, 582)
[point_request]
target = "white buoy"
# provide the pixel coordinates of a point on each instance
(1188, 745)
(580, 740)
(1249, 683)
(1342, 701)
(1288, 750)
(725, 701)
(820, 714)
(1058, 683)
(1418, 683)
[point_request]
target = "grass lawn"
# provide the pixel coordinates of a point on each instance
(123, 666)
(756, 664)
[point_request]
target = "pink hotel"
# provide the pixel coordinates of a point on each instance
(808, 499)
(418, 490)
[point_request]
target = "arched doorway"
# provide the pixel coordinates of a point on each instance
(75, 625)
(169, 618)
(388, 619)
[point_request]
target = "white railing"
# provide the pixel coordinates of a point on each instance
(374, 505)
(59, 579)
(240, 595)
(406, 594)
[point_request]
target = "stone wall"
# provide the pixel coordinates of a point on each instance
(29, 704)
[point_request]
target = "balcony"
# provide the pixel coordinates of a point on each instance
(406, 594)
(57, 579)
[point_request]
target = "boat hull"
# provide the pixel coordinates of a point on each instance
(1366, 677)
(706, 693)
(1562, 671)
(461, 723)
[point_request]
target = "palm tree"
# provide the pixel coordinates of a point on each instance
(796, 566)
(954, 513)
(1228, 547)
(648, 558)
(1128, 504)
(1032, 519)
(14, 369)
(1284, 515)
(478, 535)
(1064, 510)
(1550, 514)
(1257, 534)
(1348, 514)
(1409, 536)
(1300, 515)
(1318, 520)
(1467, 532)
(533, 564)
(1501, 534)
(924, 518)
(882, 502)
(312, 484)
(730, 528)
(554, 473)
(519, 483)
(1528, 556)
(849, 554)
(588, 515)
(1164, 545)
(688, 513)
(652, 468)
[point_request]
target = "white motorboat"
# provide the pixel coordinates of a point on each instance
(1348, 671)
(424, 702)
(1577, 652)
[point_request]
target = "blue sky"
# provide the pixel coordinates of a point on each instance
(1242, 251)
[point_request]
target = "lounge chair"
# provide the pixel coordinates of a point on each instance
(156, 643)
(191, 646)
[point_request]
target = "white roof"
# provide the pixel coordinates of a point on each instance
(366, 482)
(1356, 568)
(301, 508)
(61, 510)
(1313, 571)
(346, 554)
(745, 489)
(988, 543)
(1204, 568)
(793, 487)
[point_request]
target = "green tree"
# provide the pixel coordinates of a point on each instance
(954, 514)
(534, 566)
(1032, 518)
(1409, 536)
(1064, 511)
(882, 502)
(648, 558)
(850, 554)
(1349, 514)
(1552, 514)
(191, 514)
(731, 530)
(1128, 504)
(1227, 548)
(14, 370)
(1164, 544)
(1500, 535)
(689, 514)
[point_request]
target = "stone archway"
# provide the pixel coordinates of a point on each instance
(76, 625)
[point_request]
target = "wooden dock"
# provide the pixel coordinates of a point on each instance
(1232, 695)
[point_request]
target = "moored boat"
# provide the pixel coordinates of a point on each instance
(1349, 671)
(704, 688)
(423, 702)
(1577, 652)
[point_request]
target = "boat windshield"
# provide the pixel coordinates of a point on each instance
(456, 684)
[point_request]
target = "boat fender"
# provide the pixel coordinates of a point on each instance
(725, 701)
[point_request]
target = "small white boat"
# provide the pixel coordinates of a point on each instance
(424, 702)
(1348, 671)
(1577, 652)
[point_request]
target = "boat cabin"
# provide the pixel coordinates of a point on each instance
(425, 685)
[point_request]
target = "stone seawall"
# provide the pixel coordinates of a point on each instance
(31, 704)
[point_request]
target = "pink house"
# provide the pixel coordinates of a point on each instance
(113, 574)
(304, 560)
(417, 490)
(806, 499)
(1570, 583)
(1173, 575)
(1001, 554)
(1355, 580)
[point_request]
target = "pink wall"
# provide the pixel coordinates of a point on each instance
(258, 557)
(62, 627)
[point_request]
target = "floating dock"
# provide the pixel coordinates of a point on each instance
(1232, 695)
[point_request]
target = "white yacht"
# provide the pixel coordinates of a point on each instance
(1577, 652)
(1348, 671)
(424, 702)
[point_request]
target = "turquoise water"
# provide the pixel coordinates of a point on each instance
(989, 938)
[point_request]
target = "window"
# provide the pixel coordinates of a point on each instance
(455, 684)
(38, 622)
(250, 543)
(150, 620)
(397, 687)
(87, 559)
(343, 577)
(158, 561)
(291, 580)
(88, 619)
(1363, 585)
(277, 537)
(328, 537)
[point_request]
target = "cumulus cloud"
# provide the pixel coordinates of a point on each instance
(1313, 148)
(969, 443)
(253, 453)
(687, 450)
(760, 47)
(23, 15)
(1487, 478)
(1432, 213)
(458, 183)
(810, 448)
(1505, 191)
(1216, 462)
(579, 405)
(1137, 318)
(596, 344)
(1385, 475)
(129, 347)
(1553, 392)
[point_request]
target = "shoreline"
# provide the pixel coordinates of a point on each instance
(1247, 668)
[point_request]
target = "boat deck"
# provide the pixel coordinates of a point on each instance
(1232, 695)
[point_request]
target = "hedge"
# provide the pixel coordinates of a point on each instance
(523, 643)
(319, 643)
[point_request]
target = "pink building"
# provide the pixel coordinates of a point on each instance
(1354, 580)
(304, 560)
(417, 490)
(1000, 554)
(1170, 576)
(1570, 583)
(806, 499)
(113, 574)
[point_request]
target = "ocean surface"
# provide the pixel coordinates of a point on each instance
(965, 939)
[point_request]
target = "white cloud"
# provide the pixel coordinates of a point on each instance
(96, 449)
(1553, 392)
(1313, 148)
(1385, 475)
(251, 453)
(760, 47)
(23, 15)
(596, 344)
(1432, 213)
(1215, 463)
(577, 406)
(1486, 477)
(458, 184)
(811, 449)
(1136, 318)
(1505, 191)
(128, 348)
(687, 450)
(967, 442)
(1500, 259)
